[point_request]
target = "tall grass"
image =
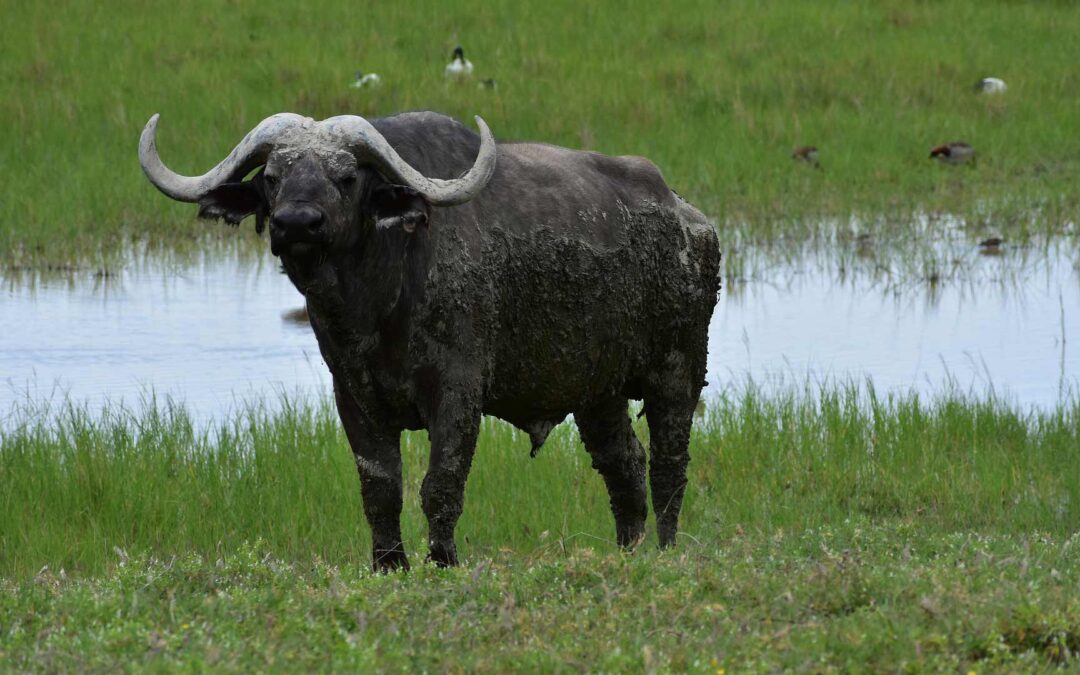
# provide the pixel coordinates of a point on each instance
(76, 488)
(716, 93)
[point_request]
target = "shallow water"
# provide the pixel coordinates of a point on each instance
(210, 335)
(1016, 331)
(216, 333)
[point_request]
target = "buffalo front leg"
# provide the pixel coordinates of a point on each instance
(453, 431)
(618, 456)
(378, 460)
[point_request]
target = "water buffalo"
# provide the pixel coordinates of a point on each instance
(448, 276)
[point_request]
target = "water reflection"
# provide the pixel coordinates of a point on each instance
(208, 334)
(221, 329)
(1009, 331)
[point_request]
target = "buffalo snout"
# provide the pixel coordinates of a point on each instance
(297, 218)
(296, 224)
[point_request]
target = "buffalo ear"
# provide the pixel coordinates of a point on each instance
(398, 205)
(232, 202)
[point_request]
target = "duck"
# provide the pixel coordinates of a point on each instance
(990, 85)
(459, 66)
(957, 152)
(808, 154)
(368, 80)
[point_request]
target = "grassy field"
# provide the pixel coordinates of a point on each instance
(858, 597)
(823, 529)
(716, 93)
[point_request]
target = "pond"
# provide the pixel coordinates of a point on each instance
(219, 332)
(1013, 331)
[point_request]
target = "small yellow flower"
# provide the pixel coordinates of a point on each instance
(185, 626)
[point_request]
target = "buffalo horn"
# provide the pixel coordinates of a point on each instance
(355, 133)
(247, 155)
(365, 141)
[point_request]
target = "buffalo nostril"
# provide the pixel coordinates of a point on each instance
(293, 218)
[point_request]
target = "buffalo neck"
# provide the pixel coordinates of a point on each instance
(364, 295)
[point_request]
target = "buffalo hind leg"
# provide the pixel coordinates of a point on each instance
(618, 456)
(378, 460)
(669, 455)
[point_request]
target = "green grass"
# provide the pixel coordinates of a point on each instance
(823, 529)
(853, 598)
(74, 486)
(716, 93)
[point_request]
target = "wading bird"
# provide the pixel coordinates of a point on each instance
(990, 85)
(991, 246)
(459, 66)
(362, 80)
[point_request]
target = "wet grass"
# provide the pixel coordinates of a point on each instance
(716, 94)
(824, 528)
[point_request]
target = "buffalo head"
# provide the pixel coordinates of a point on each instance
(322, 184)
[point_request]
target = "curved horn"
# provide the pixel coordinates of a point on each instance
(248, 154)
(361, 136)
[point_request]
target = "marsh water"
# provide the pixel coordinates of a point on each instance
(218, 333)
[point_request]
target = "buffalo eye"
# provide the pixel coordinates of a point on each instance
(346, 183)
(270, 180)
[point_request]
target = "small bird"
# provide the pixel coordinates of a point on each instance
(808, 154)
(459, 66)
(298, 315)
(991, 245)
(864, 245)
(362, 80)
(990, 85)
(953, 153)
(489, 83)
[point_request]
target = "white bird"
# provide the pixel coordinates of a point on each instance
(362, 80)
(459, 66)
(990, 85)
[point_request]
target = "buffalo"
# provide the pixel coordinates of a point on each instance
(448, 276)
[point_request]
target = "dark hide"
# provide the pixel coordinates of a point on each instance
(573, 282)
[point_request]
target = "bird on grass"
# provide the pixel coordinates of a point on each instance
(488, 83)
(459, 66)
(368, 80)
(990, 85)
(953, 153)
(808, 154)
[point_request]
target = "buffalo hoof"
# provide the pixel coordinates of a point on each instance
(443, 555)
(386, 560)
(630, 537)
(666, 536)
